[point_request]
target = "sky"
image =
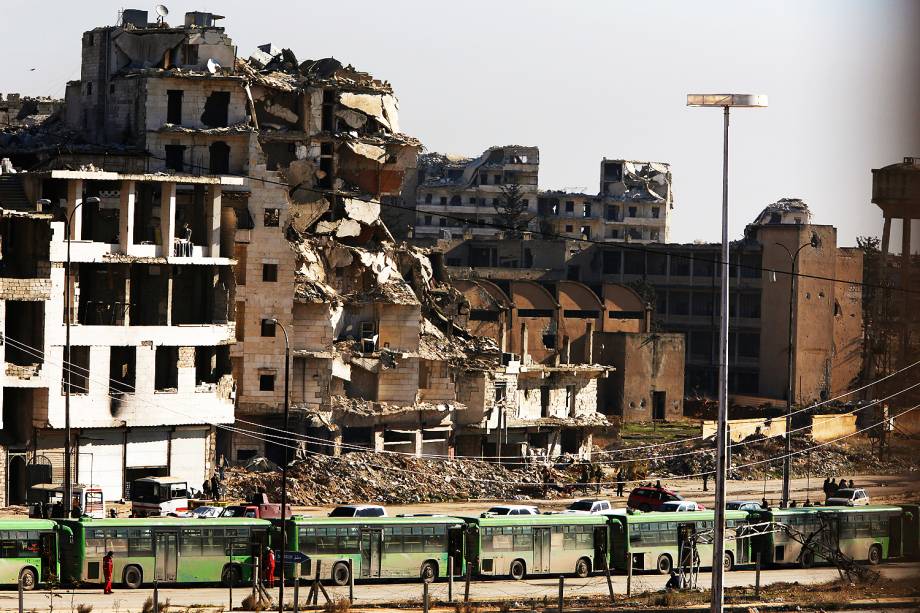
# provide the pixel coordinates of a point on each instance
(583, 80)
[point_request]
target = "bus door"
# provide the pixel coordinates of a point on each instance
(541, 549)
(166, 555)
(48, 555)
(685, 533)
(601, 559)
(894, 534)
(455, 548)
(370, 552)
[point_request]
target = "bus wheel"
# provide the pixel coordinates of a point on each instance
(232, 575)
(582, 568)
(807, 560)
(340, 574)
(518, 570)
(664, 564)
(132, 577)
(429, 571)
(875, 555)
(728, 561)
(27, 579)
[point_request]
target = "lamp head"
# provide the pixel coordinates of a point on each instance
(91, 200)
(815, 240)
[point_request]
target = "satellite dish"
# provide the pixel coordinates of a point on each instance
(213, 65)
(161, 10)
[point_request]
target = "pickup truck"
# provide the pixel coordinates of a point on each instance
(258, 511)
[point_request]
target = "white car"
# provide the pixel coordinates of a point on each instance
(588, 506)
(358, 510)
(680, 506)
(512, 509)
(848, 497)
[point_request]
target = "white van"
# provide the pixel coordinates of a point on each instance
(158, 496)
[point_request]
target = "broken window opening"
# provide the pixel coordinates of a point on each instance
(79, 370)
(427, 220)
(100, 290)
(271, 218)
(569, 206)
(23, 244)
(174, 106)
(266, 382)
(269, 273)
(586, 232)
(216, 110)
(122, 362)
(611, 262)
(483, 315)
(428, 198)
(175, 157)
(586, 210)
(190, 54)
(535, 312)
(219, 158)
(501, 391)
(544, 401)
(613, 213)
(166, 369)
(549, 341)
(455, 201)
(635, 234)
(471, 200)
(749, 345)
(328, 111)
(632, 211)
(656, 211)
(483, 179)
(268, 327)
(613, 171)
(443, 200)
(569, 228)
(581, 314)
(200, 296)
(211, 364)
(25, 324)
(149, 294)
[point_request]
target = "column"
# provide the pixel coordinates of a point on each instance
(126, 216)
(167, 218)
(74, 200)
(212, 217)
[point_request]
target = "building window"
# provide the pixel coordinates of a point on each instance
(174, 157)
(526, 202)
(443, 200)
(613, 233)
(586, 231)
(654, 235)
(656, 211)
(569, 228)
(428, 198)
(442, 222)
(268, 327)
(271, 218)
(613, 212)
(219, 158)
(269, 273)
(586, 210)
(634, 263)
(89, 88)
(471, 200)
(632, 211)
(611, 262)
(455, 201)
(498, 179)
(267, 383)
(635, 234)
(216, 110)
(569, 206)
(427, 220)
(483, 179)
(749, 345)
(174, 106)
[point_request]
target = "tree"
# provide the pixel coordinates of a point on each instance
(512, 210)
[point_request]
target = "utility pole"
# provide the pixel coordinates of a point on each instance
(725, 102)
(284, 463)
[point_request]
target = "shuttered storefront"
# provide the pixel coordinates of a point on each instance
(101, 461)
(190, 451)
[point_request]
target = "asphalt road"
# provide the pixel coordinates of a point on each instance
(385, 592)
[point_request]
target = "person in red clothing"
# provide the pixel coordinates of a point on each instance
(108, 566)
(269, 568)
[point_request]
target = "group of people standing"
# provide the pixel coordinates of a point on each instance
(831, 487)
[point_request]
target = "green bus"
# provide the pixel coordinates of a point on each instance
(654, 539)
(869, 533)
(520, 545)
(166, 549)
(28, 552)
(377, 547)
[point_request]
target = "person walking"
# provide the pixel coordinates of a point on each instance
(705, 482)
(620, 483)
(598, 477)
(215, 487)
(826, 487)
(269, 568)
(585, 477)
(108, 567)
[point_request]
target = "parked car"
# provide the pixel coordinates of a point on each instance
(588, 506)
(679, 506)
(743, 505)
(849, 497)
(650, 497)
(205, 512)
(512, 509)
(358, 510)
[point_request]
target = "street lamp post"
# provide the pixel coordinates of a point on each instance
(284, 463)
(68, 367)
(726, 102)
(790, 388)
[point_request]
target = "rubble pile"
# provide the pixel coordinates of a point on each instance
(394, 479)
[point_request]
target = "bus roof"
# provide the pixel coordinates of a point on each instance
(183, 522)
(709, 515)
(27, 524)
(841, 509)
(396, 521)
(547, 519)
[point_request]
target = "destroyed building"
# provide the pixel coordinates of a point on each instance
(465, 197)
(17, 111)
(216, 195)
